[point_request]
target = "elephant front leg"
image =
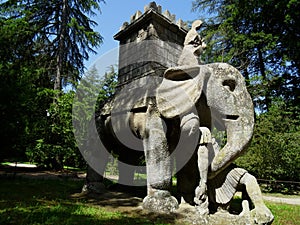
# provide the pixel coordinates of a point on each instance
(159, 168)
(94, 181)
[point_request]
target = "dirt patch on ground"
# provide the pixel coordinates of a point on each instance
(37, 173)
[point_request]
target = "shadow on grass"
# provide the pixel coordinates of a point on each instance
(30, 201)
(71, 214)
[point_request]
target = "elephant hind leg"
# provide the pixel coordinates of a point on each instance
(93, 183)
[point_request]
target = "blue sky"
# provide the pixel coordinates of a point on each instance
(116, 12)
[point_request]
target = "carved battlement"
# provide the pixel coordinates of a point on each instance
(157, 8)
(150, 43)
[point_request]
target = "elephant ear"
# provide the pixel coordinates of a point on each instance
(180, 89)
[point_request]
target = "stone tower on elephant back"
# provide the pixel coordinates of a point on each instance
(149, 44)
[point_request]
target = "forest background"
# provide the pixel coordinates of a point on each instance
(44, 45)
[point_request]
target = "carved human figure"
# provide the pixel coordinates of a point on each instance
(193, 46)
(203, 164)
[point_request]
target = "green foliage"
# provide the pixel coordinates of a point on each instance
(92, 92)
(275, 153)
(261, 39)
(43, 47)
(20, 79)
(61, 32)
(285, 214)
(55, 145)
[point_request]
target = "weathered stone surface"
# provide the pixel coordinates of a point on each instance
(205, 135)
(193, 46)
(232, 110)
(181, 89)
(246, 217)
(149, 38)
(174, 119)
(160, 201)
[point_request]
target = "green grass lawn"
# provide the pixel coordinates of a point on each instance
(29, 201)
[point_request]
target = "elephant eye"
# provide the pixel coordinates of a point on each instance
(230, 84)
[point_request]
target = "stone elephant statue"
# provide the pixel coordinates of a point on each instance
(197, 96)
(159, 118)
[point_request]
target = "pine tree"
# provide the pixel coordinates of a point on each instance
(63, 34)
(43, 48)
(260, 38)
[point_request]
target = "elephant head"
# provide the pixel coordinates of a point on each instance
(232, 108)
(226, 96)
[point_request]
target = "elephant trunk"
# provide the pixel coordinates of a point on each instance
(239, 135)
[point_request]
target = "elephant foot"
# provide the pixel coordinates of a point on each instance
(160, 201)
(94, 188)
(262, 215)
